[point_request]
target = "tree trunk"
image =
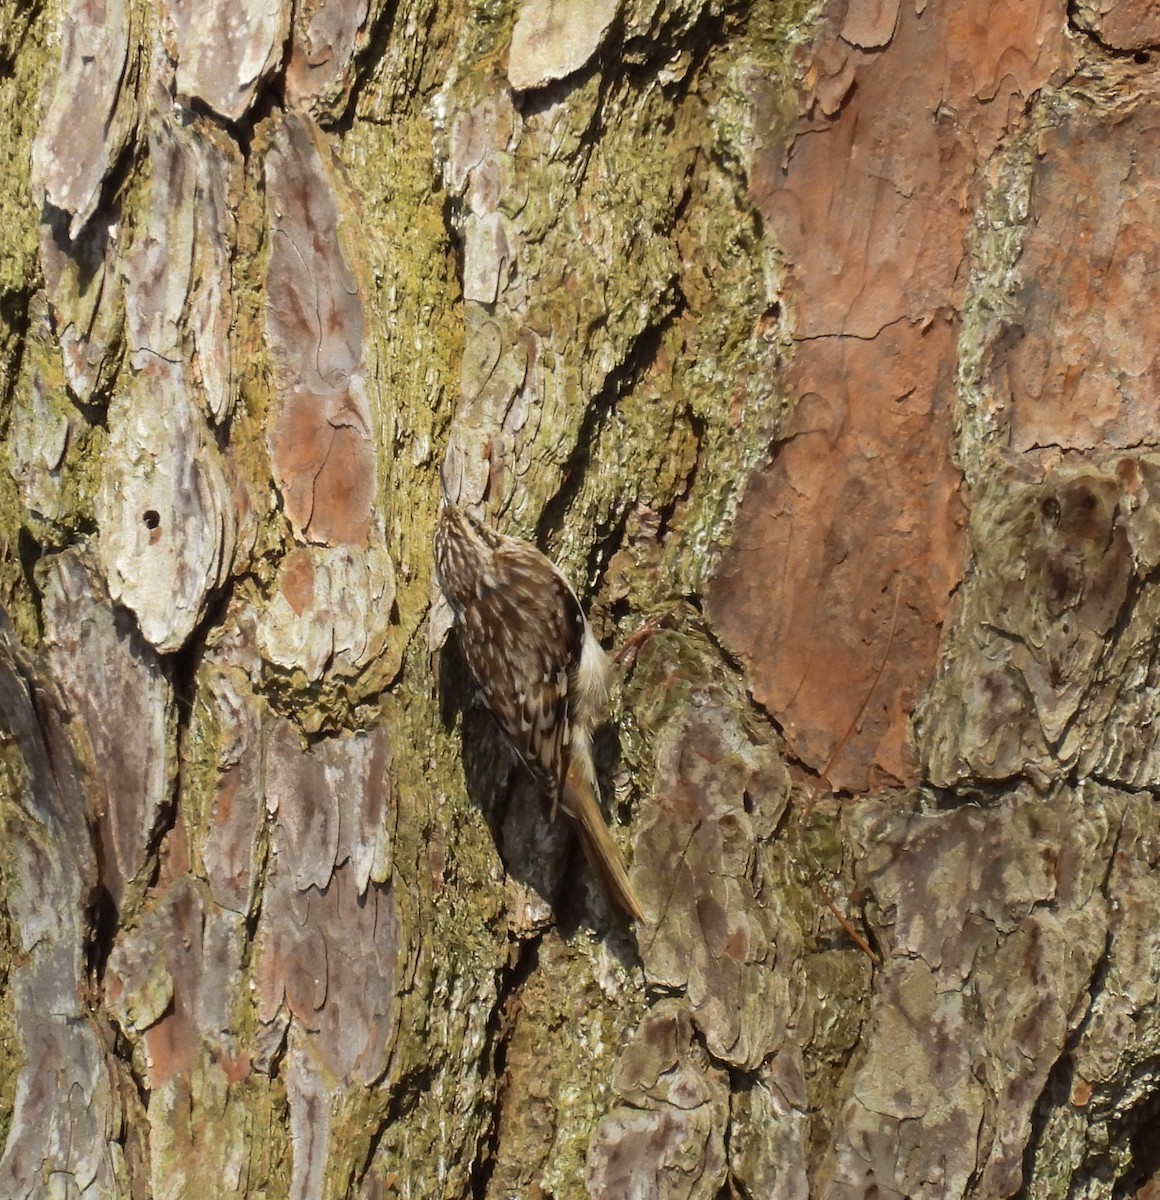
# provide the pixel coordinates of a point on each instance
(812, 342)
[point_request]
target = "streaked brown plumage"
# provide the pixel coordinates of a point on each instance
(527, 643)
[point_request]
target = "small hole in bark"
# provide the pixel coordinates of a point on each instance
(767, 322)
(151, 517)
(1051, 511)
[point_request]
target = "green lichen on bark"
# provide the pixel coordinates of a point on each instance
(23, 56)
(449, 881)
(989, 306)
(699, 399)
(248, 428)
(419, 334)
(576, 1012)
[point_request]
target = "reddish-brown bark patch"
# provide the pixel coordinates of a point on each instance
(321, 440)
(1120, 24)
(871, 210)
(297, 581)
(1081, 370)
(859, 505)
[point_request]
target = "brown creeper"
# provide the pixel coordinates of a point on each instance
(543, 675)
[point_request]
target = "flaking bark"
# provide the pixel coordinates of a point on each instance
(816, 341)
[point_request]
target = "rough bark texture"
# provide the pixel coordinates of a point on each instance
(816, 337)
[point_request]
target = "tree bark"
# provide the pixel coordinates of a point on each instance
(812, 343)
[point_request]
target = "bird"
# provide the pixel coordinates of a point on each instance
(526, 641)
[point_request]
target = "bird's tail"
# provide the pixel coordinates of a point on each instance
(603, 855)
